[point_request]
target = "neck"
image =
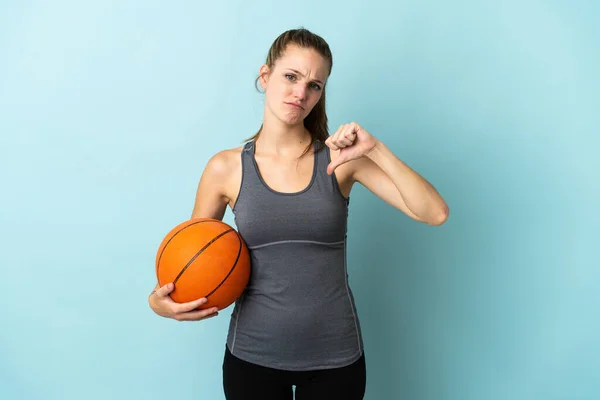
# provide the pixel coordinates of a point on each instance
(281, 139)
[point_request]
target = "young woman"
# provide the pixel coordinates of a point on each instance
(288, 187)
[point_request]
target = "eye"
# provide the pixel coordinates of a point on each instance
(315, 86)
(290, 76)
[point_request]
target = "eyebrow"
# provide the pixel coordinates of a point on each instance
(301, 74)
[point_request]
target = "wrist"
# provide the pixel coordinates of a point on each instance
(375, 152)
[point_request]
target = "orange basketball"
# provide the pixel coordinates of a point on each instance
(204, 257)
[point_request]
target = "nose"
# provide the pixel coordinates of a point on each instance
(300, 92)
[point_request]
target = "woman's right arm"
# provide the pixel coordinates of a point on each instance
(210, 202)
(211, 196)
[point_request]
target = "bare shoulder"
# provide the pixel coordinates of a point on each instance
(224, 171)
(224, 163)
(218, 184)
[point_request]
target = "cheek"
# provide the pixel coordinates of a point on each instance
(279, 92)
(314, 98)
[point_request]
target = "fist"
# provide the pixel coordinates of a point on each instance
(353, 142)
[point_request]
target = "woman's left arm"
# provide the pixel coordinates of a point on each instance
(372, 163)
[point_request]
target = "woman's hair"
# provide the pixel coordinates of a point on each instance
(316, 121)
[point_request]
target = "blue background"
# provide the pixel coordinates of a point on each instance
(109, 111)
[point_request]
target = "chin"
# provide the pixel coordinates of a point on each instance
(292, 119)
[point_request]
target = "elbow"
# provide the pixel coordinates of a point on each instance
(440, 217)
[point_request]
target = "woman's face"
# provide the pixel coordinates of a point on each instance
(295, 84)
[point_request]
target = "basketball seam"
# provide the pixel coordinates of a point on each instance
(200, 252)
(173, 236)
(232, 267)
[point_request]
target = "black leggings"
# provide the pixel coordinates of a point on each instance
(246, 381)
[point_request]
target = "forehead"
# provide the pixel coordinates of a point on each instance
(308, 61)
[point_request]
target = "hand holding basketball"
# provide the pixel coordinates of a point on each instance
(200, 259)
(162, 304)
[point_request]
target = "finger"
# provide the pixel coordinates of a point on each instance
(345, 137)
(338, 142)
(348, 135)
(329, 142)
(191, 305)
(345, 142)
(338, 130)
(334, 164)
(164, 290)
(198, 315)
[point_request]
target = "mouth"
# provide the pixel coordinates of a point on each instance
(294, 105)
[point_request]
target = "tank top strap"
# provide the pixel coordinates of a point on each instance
(248, 171)
(248, 184)
(247, 153)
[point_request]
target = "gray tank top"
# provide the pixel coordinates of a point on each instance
(298, 311)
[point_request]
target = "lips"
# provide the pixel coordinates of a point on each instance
(295, 105)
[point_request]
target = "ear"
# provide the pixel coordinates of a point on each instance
(264, 75)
